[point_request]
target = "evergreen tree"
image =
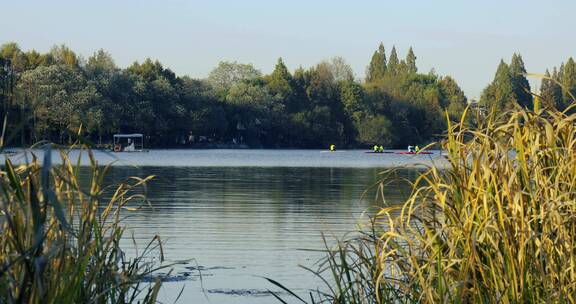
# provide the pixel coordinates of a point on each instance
(411, 62)
(280, 82)
(500, 93)
(377, 67)
(568, 81)
(453, 98)
(520, 84)
(550, 91)
(393, 62)
(402, 68)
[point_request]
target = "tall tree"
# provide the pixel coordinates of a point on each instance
(454, 100)
(520, 84)
(151, 70)
(393, 62)
(59, 99)
(341, 70)
(569, 82)
(100, 63)
(500, 93)
(61, 54)
(550, 91)
(227, 74)
(12, 52)
(377, 67)
(280, 82)
(411, 62)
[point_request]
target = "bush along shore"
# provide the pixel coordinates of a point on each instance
(60, 238)
(497, 226)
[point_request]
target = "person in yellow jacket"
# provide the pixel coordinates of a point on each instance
(375, 149)
(332, 148)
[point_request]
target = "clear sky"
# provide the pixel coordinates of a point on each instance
(464, 39)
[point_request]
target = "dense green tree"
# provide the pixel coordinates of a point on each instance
(7, 83)
(281, 84)
(152, 70)
(314, 107)
(500, 93)
(61, 54)
(34, 59)
(100, 64)
(352, 95)
(520, 84)
(568, 80)
(376, 130)
(205, 115)
(411, 62)
(340, 69)
(377, 68)
(227, 74)
(550, 91)
(393, 62)
(12, 53)
(454, 100)
(59, 99)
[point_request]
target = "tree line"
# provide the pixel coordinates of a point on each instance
(49, 96)
(510, 87)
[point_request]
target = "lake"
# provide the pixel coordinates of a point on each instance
(242, 215)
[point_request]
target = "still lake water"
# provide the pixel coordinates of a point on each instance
(247, 214)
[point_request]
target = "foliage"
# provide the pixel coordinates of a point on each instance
(46, 96)
(377, 68)
(60, 240)
(376, 130)
(495, 225)
(227, 74)
(509, 88)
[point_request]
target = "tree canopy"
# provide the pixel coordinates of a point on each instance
(50, 95)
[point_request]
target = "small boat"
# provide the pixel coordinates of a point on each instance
(385, 152)
(128, 143)
(412, 153)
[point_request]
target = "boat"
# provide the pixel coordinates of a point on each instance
(384, 152)
(128, 143)
(412, 153)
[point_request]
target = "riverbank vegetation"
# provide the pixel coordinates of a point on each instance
(60, 238)
(48, 96)
(497, 226)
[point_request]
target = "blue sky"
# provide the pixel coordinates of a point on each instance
(464, 39)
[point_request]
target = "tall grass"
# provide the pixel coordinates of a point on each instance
(60, 238)
(498, 225)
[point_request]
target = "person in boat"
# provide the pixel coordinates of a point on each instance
(332, 148)
(375, 149)
(410, 149)
(381, 149)
(130, 147)
(417, 149)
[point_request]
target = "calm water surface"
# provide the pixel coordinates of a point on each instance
(247, 214)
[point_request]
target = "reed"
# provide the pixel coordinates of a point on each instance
(60, 237)
(498, 225)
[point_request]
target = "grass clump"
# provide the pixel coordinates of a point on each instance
(497, 225)
(60, 237)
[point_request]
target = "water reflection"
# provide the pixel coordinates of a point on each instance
(242, 223)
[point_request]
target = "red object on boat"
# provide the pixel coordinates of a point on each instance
(414, 153)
